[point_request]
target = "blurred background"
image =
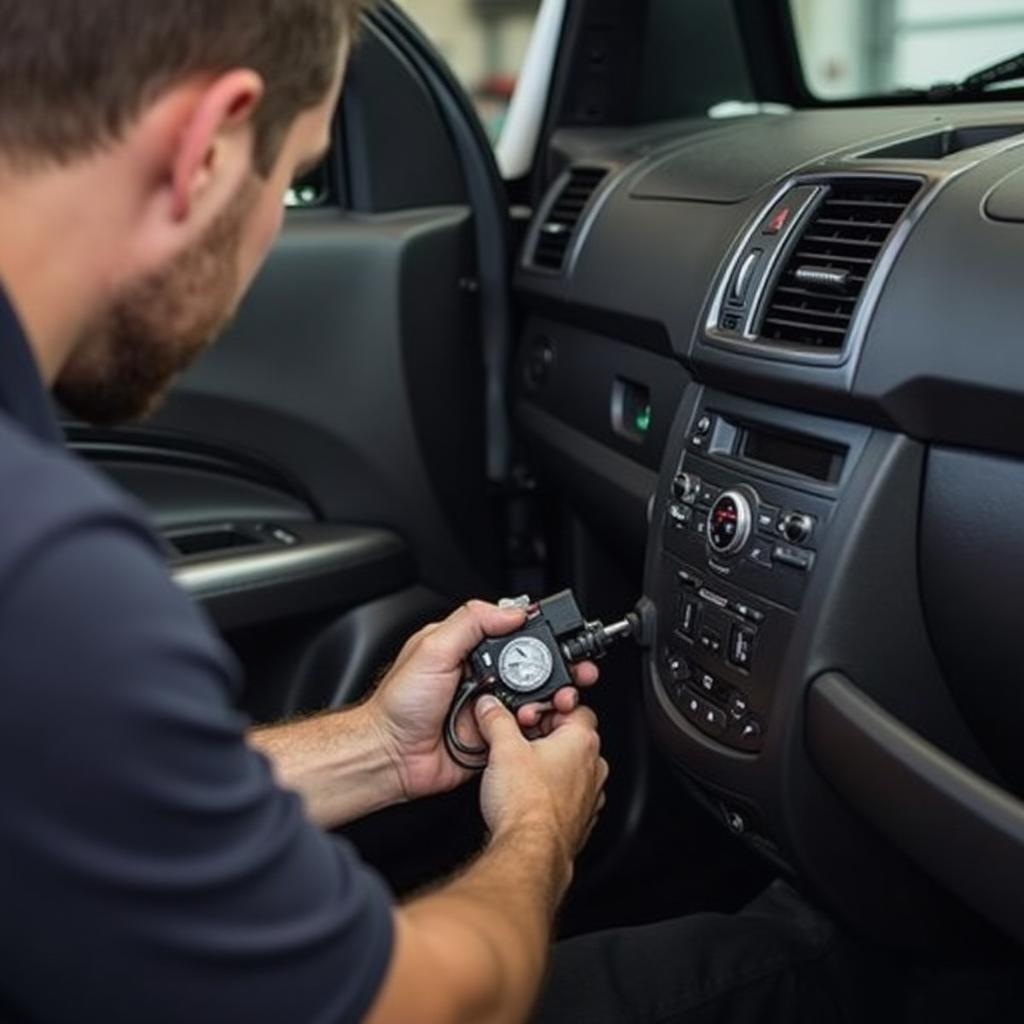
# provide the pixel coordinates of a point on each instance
(485, 42)
(848, 47)
(859, 47)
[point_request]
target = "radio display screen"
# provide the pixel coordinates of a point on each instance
(807, 458)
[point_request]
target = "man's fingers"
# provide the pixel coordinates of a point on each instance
(496, 723)
(586, 673)
(581, 716)
(530, 716)
(564, 702)
(450, 643)
(567, 700)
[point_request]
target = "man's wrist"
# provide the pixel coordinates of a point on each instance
(337, 762)
(374, 724)
(534, 836)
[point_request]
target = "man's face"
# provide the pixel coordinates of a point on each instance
(126, 360)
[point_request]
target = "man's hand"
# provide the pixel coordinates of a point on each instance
(411, 703)
(555, 783)
(486, 933)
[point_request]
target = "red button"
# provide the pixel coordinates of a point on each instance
(779, 221)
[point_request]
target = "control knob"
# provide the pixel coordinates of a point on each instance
(797, 527)
(729, 523)
(686, 487)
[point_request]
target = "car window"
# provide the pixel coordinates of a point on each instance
(852, 48)
(484, 42)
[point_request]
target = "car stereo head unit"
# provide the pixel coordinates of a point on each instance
(749, 506)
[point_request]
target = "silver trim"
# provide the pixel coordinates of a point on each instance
(932, 186)
(721, 293)
(743, 277)
(744, 519)
(230, 572)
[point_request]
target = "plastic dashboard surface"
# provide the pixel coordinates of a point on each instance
(922, 401)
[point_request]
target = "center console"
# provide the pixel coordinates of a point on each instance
(750, 504)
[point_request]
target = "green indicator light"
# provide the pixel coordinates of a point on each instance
(643, 419)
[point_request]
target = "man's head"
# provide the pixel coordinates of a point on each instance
(184, 122)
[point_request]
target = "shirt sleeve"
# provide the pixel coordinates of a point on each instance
(151, 868)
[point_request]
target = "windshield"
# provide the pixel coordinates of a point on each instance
(852, 48)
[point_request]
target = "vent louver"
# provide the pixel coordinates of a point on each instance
(816, 296)
(559, 227)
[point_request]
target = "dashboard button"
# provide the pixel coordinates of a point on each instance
(741, 646)
(767, 516)
(692, 707)
(744, 611)
(678, 669)
(795, 558)
(739, 706)
(711, 642)
(707, 683)
(797, 527)
(714, 598)
(778, 220)
(712, 720)
(687, 578)
(688, 617)
(686, 487)
(760, 553)
(751, 731)
(704, 425)
(681, 516)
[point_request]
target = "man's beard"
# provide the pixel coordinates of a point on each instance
(125, 362)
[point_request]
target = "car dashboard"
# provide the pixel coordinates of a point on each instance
(777, 360)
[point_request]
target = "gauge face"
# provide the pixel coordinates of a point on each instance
(525, 664)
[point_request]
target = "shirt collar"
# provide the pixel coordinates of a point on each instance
(23, 395)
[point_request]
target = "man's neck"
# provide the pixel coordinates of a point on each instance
(52, 264)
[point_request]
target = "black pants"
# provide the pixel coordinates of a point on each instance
(778, 960)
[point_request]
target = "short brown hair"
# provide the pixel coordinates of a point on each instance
(75, 73)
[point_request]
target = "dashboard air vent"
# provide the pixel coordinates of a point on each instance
(559, 227)
(816, 296)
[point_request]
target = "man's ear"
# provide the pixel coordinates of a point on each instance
(214, 152)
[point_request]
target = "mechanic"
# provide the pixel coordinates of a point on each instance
(161, 862)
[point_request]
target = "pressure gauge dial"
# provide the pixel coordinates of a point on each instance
(525, 664)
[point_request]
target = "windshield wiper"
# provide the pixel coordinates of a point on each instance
(1010, 69)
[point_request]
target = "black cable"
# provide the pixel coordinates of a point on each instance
(458, 751)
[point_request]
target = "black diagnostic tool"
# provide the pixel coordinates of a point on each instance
(531, 665)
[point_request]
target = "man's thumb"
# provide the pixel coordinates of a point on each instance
(495, 721)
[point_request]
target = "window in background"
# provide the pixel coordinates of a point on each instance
(485, 42)
(853, 48)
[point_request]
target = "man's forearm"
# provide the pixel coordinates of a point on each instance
(476, 949)
(336, 762)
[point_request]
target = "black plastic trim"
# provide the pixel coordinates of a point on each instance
(161, 448)
(966, 832)
(329, 567)
(489, 202)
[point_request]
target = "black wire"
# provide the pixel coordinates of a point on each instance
(458, 751)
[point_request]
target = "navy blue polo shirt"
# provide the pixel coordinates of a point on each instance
(150, 868)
